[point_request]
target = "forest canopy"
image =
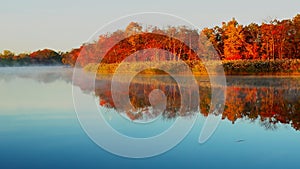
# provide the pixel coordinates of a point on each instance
(275, 40)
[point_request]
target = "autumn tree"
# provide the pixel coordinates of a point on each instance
(211, 44)
(7, 54)
(233, 40)
(45, 56)
(252, 41)
(69, 58)
(133, 28)
(267, 41)
(295, 39)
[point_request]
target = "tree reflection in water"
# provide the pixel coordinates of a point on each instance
(139, 90)
(271, 101)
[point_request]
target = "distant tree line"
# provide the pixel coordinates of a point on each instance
(275, 40)
(40, 57)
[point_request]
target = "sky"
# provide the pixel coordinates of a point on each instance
(29, 25)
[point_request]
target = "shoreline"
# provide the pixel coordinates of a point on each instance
(286, 67)
(266, 68)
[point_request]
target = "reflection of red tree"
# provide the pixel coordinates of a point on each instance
(268, 104)
(138, 94)
(233, 108)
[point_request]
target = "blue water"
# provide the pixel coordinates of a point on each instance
(39, 129)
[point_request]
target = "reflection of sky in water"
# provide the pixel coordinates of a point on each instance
(133, 129)
(39, 129)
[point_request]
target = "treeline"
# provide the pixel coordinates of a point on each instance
(273, 40)
(40, 57)
(276, 40)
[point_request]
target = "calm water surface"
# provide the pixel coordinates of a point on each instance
(39, 127)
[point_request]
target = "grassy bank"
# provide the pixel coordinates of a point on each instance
(262, 67)
(236, 67)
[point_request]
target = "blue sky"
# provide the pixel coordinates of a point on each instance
(62, 25)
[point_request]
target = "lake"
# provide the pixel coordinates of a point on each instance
(39, 127)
